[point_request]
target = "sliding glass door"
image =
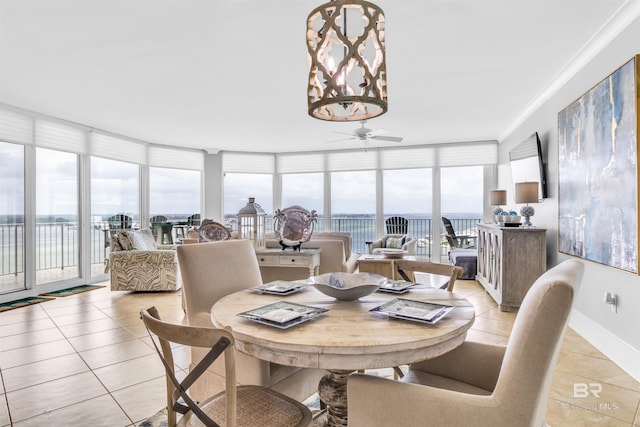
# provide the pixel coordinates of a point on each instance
(12, 274)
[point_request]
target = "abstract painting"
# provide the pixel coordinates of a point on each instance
(598, 172)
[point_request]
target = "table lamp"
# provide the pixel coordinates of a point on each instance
(527, 192)
(497, 198)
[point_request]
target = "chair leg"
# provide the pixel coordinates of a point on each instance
(397, 373)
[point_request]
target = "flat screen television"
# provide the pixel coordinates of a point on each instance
(527, 164)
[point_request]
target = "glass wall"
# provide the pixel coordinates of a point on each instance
(408, 193)
(11, 217)
(57, 209)
(306, 190)
(462, 196)
(174, 193)
(353, 206)
(115, 204)
(238, 187)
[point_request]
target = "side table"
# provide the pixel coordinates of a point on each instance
(309, 258)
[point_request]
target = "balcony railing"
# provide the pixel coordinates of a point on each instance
(57, 244)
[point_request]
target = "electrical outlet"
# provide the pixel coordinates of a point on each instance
(612, 300)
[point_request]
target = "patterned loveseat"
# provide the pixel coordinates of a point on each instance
(138, 264)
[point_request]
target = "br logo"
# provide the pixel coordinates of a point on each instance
(582, 390)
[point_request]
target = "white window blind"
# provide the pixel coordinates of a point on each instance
(443, 155)
(248, 163)
(407, 158)
(118, 149)
(472, 154)
(15, 127)
(301, 163)
(176, 158)
(352, 160)
(57, 136)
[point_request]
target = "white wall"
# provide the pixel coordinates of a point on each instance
(615, 334)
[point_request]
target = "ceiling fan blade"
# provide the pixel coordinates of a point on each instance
(343, 133)
(341, 139)
(377, 132)
(388, 138)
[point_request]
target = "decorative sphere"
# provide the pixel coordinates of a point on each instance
(527, 210)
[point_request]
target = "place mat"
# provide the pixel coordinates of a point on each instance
(283, 314)
(419, 311)
(280, 287)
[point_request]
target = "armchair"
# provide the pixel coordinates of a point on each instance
(480, 384)
(138, 264)
(394, 241)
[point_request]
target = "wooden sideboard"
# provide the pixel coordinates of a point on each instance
(510, 259)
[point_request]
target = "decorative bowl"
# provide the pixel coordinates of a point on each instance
(508, 218)
(347, 286)
(390, 252)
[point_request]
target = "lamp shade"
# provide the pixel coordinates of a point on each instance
(526, 192)
(498, 197)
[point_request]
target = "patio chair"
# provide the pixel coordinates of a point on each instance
(456, 241)
(397, 225)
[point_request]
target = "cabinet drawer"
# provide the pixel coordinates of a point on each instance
(268, 259)
(292, 260)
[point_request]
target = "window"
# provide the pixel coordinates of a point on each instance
(306, 190)
(353, 206)
(11, 217)
(238, 187)
(462, 195)
(56, 233)
(408, 193)
(174, 193)
(115, 190)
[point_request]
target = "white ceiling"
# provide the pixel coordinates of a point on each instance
(231, 74)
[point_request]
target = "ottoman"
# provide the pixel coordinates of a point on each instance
(467, 259)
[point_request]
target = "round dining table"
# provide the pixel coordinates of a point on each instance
(346, 338)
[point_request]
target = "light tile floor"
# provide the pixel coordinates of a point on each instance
(87, 360)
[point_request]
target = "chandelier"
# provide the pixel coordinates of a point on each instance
(347, 75)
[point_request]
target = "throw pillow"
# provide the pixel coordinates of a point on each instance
(142, 239)
(124, 241)
(395, 242)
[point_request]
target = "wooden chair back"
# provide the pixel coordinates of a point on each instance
(397, 225)
(406, 268)
(218, 340)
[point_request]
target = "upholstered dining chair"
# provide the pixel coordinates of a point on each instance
(210, 271)
(246, 406)
(480, 384)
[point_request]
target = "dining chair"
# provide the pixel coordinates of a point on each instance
(211, 271)
(406, 269)
(248, 405)
(480, 384)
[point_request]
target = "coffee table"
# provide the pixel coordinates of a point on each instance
(346, 338)
(379, 264)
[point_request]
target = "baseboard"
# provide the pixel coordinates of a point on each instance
(625, 356)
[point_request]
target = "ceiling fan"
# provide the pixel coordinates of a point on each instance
(365, 135)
